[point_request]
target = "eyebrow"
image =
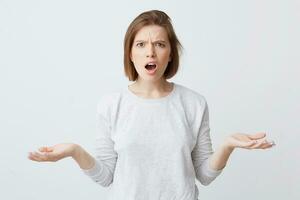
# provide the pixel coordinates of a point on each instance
(162, 41)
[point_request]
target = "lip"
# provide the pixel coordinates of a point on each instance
(151, 72)
(151, 62)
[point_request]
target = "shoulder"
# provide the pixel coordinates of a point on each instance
(195, 106)
(107, 101)
(191, 97)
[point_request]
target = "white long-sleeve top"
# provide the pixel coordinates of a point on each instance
(153, 149)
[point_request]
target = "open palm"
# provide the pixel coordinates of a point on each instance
(52, 153)
(247, 141)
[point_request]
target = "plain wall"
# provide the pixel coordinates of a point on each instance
(58, 57)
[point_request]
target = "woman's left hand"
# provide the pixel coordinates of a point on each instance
(248, 141)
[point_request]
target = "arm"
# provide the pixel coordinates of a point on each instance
(208, 164)
(220, 157)
(101, 168)
(83, 158)
(64, 150)
(98, 170)
(202, 152)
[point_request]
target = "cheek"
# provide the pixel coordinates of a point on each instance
(135, 56)
(137, 60)
(166, 56)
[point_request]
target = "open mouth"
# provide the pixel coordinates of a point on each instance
(150, 67)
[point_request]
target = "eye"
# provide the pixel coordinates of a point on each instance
(140, 44)
(159, 44)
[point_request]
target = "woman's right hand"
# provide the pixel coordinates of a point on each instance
(53, 153)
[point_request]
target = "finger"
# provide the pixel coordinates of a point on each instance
(245, 144)
(252, 143)
(30, 156)
(266, 146)
(262, 144)
(269, 143)
(45, 156)
(257, 135)
(42, 149)
(37, 156)
(272, 142)
(45, 149)
(50, 149)
(33, 157)
(258, 144)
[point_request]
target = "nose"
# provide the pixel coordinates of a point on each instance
(150, 51)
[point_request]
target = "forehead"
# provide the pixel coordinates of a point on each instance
(153, 32)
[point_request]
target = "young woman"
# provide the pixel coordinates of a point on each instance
(153, 138)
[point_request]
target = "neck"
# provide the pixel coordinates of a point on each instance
(150, 86)
(150, 89)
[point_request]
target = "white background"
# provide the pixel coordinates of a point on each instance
(58, 57)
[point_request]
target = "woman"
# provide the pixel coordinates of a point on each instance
(153, 137)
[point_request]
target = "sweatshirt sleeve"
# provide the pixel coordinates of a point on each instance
(203, 150)
(105, 155)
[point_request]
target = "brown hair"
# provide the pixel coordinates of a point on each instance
(152, 17)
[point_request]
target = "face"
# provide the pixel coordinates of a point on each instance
(150, 52)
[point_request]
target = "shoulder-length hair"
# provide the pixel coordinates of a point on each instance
(152, 17)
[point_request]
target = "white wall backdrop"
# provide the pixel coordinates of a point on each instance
(58, 57)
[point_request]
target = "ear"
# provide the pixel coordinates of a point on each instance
(170, 58)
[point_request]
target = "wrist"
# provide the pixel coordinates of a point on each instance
(83, 158)
(227, 147)
(75, 151)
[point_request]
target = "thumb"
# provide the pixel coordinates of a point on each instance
(257, 135)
